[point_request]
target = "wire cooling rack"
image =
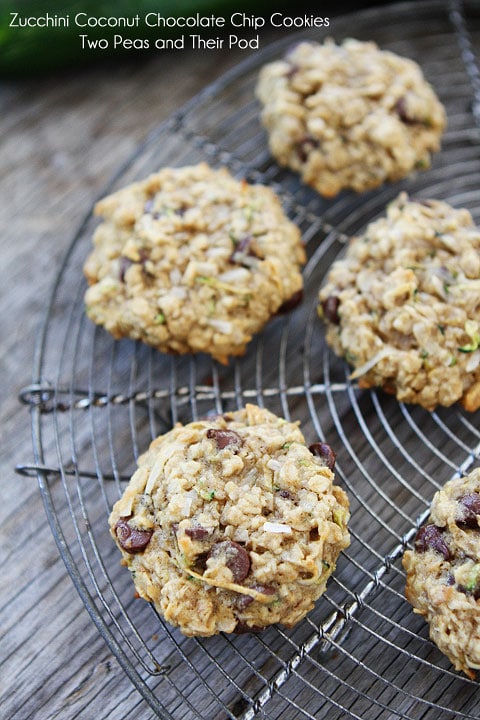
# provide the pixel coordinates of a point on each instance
(96, 403)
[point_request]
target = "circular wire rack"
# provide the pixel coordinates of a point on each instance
(96, 403)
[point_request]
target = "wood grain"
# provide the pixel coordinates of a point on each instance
(62, 138)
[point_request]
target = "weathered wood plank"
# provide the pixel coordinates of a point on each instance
(61, 139)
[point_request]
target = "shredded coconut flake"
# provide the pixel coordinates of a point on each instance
(187, 506)
(239, 275)
(277, 528)
(473, 361)
(223, 326)
(363, 369)
(175, 276)
(154, 475)
(178, 292)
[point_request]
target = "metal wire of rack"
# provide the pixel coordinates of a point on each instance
(96, 403)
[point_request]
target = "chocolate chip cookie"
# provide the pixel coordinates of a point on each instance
(349, 116)
(443, 572)
(232, 523)
(192, 260)
(402, 306)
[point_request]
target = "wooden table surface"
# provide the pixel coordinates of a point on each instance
(62, 138)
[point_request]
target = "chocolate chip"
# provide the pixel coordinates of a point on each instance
(131, 539)
(292, 71)
(468, 510)
(475, 592)
(305, 146)
(430, 537)
(225, 438)
(200, 564)
(291, 303)
(242, 628)
(125, 263)
(330, 309)
(285, 494)
(197, 532)
(246, 246)
(234, 556)
(402, 110)
(243, 601)
(325, 453)
(264, 589)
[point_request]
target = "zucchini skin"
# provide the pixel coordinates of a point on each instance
(32, 51)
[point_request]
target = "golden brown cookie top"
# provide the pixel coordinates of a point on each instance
(192, 260)
(402, 304)
(349, 116)
(443, 571)
(240, 510)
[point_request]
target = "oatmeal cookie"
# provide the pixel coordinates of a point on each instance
(443, 572)
(232, 523)
(192, 260)
(403, 305)
(349, 116)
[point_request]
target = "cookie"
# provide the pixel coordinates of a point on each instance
(402, 305)
(349, 116)
(443, 572)
(231, 523)
(191, 260)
